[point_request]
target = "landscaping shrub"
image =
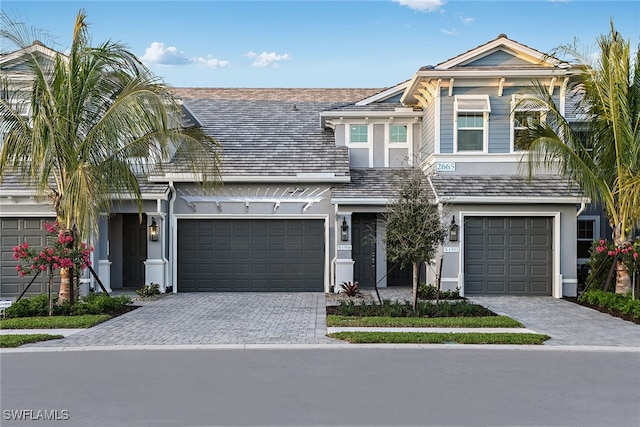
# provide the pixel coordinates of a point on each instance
(404, 309)
(37, 305)
(148, 291)
(428, 292)
(100, 303)
(94, 303)
(612, 302)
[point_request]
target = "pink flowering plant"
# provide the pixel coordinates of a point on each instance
(627, 252)
(62, 254)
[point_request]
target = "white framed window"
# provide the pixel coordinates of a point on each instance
(527, 110)
(398, 134)
(587, 231)
(358, 133)
(471, 132)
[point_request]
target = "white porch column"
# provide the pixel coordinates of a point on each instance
(104, 265)
(344, 261)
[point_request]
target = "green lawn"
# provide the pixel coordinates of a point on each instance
(54, 322)
(439, 338)
(424, 322)
(18, 340)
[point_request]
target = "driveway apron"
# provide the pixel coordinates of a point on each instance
(565, 322)
(212, 318)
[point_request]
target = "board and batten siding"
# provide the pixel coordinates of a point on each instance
(499, 58)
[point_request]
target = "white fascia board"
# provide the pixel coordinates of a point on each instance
(347, 114)
(385, 94)
(175, 177)
(493, 72)
(29, 50)
(515, 200)
(362, 201)
(494, 45)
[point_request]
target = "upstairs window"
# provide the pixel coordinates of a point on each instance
(358, 133)
(472, 116)
(526, 111)
(398, 134)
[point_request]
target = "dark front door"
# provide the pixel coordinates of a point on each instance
(134, 250)
(363, 240)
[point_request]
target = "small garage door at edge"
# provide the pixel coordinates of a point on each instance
(508, 255)
(257, 255)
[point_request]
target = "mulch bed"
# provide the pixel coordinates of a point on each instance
(612, 312)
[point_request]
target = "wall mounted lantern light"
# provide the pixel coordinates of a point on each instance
(154, 230)
(344, 231)
(453, 230)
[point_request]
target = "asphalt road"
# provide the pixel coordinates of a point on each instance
(373, 387)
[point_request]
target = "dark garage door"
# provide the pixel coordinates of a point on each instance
(13, 232)
(507, 255)
(250, 255)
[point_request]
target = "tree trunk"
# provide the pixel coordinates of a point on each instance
(65, 285)
(415, 283)
(623, 279)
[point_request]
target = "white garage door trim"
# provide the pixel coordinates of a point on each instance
(174, 238)
(556, 285)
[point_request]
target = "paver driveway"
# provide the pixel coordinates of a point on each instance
(213, 318)
(565, 322)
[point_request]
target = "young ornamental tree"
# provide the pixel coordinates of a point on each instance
(604, 160)
(97, 120)
(414, 227)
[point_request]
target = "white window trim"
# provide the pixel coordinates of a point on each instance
(359, 144)
(388, 145)
(485, 121)
(515, 98)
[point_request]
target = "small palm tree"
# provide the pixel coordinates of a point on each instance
(604, 160)
(98, 121)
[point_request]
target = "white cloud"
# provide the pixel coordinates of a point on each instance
(211, 62)
(449, 32)
(421, 5)
(466, 21)
(267, 59)
(158, 54)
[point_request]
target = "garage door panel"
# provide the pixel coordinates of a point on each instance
(253, 255)
(13, 232)
(522, 247)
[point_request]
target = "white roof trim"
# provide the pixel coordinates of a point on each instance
(361, 201)
(384, 94)
(514, 200)
(188, 177)
(493, 46)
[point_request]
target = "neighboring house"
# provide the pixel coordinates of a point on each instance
(308, 174)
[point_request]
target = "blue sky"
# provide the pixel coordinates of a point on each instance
(320, 43)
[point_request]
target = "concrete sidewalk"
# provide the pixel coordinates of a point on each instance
(63, 332)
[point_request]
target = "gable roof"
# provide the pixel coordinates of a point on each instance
(502, 42)
(528, 64)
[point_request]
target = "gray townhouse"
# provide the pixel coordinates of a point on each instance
(307, 175)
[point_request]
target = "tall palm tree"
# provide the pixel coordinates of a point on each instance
(604, 160)
(98, 121)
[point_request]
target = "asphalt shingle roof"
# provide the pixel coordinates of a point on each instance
(548, 186)
(267, 137)
(373, 183)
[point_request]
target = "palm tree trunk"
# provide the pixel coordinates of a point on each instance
(623, 279)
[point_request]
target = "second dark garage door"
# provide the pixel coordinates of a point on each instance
(507, 255)
(250, 255)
